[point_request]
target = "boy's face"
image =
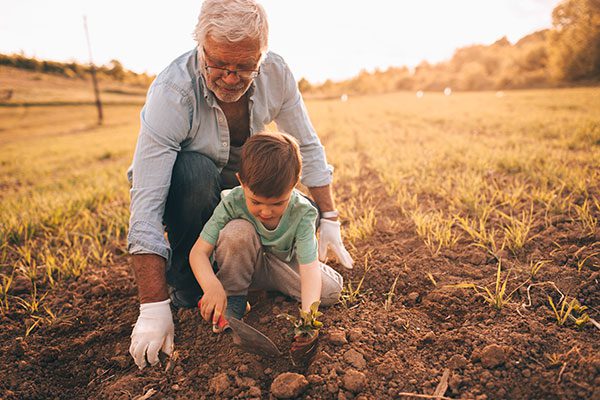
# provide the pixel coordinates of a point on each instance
(268, 210)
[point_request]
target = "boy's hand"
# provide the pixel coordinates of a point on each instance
(304, 346)
(213, 303)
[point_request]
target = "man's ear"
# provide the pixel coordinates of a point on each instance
(237, 175)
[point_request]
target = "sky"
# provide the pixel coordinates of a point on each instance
(319, 39)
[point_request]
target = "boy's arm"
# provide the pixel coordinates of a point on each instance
(305, 344)
(310, 284)
(214, 300)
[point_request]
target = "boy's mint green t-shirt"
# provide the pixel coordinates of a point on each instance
(294, 236)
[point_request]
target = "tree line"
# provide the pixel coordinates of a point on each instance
(567, 54)
(114, 70)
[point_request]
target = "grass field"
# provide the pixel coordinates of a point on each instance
(473, 215)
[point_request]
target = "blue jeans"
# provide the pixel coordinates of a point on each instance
(193, 195)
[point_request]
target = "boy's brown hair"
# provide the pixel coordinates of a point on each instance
(270, 164)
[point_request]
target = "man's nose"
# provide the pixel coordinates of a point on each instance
(230, 78)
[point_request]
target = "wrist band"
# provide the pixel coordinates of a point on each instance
(330, 214)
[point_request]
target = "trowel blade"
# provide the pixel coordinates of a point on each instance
(252, 340)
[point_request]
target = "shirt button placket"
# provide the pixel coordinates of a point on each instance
(223, 133)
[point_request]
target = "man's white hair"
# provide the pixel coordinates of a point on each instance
(232, 21)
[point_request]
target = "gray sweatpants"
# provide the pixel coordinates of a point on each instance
(244, 265)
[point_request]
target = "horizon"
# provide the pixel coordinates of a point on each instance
(141, 48)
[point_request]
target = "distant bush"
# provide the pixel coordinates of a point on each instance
(113, 71)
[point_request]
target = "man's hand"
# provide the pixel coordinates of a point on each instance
(331, 237)
(213, 303)
(153, 331)
(304, 347)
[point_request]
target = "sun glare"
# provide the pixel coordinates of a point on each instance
(319, 40)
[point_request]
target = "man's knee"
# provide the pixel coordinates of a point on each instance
(195, 186)
(332, 285)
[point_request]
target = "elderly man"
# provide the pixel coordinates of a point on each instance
(198, 113)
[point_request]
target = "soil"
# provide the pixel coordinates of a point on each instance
(366, 351)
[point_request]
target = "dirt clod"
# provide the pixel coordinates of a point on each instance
(493, 356)
(355, 335)
(355, 381)
(243, 369)
(253, 391)
(413, 297)
(219, 384)
(289, 385)
(354, 358)
(457, 361)
(429, 337)
(337, 337)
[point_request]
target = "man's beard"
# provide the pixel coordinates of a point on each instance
(226, 93)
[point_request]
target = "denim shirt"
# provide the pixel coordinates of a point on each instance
(181, 114)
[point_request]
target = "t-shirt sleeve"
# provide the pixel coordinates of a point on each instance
(306, 239)
(221, 216)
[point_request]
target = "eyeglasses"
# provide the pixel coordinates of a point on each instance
(224, 72)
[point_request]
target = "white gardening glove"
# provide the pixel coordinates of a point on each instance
(331, 237)
(153, 331)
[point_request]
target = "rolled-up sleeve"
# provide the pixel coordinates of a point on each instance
(165, 123)
(293, 119)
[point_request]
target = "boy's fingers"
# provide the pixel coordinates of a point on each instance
(216, 316)
(207, 311)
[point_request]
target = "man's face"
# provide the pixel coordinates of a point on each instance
(244, 55)
(268, 210)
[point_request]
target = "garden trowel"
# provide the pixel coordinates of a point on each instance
(252, 340)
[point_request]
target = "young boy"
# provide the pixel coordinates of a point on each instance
(262, 236)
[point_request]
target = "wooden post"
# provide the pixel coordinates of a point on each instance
(93, 71)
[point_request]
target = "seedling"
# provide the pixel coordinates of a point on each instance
(498, 297)
(307, 322)
(4, 287)
(581, 263)
(535, 268)
(362, 222)
(484, 238)
(554, 359)
(566, 311)
(389, 296)
(516, 232)
(434, 229)
(430, 276)
(32, 306)
(38, 320)
(27, 264)
(586, 217)
(351, 295)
